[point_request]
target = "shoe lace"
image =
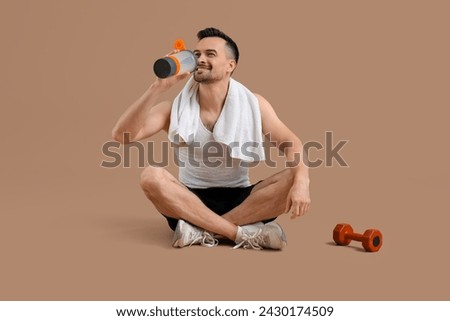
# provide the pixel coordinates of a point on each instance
(205, 239)
(209, 240)
(250, 240)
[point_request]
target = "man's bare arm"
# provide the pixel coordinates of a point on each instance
(284, 139)
(298, 200)
(144, 117)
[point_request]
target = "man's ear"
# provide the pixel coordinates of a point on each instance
(232, 65)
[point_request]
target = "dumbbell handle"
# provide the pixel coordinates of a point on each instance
(354, 236)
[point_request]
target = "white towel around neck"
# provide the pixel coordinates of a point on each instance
(238, 126)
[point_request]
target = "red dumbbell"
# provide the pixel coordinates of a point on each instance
(371, 239)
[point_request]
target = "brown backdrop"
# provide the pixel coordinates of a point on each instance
(373, 73)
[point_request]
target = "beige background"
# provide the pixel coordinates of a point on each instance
(375, 73)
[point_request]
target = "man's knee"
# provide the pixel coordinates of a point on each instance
(152, 178)
(289, 175)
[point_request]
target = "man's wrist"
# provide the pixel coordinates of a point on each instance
(301, 175)
(156, 88)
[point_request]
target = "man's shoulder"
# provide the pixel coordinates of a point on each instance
(263, 103)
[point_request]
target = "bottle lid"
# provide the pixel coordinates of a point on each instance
(179, 45)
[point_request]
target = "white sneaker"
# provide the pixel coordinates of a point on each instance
(258, 236)
(186, 235)
(253, 228)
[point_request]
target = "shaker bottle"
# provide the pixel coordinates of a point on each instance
(177, 63)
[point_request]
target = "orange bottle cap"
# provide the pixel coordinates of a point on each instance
(179, 45)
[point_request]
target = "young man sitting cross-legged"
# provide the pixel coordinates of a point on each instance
(217, 126)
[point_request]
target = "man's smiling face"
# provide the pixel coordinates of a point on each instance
(215, 60)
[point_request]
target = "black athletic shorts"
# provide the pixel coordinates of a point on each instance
(220, 200)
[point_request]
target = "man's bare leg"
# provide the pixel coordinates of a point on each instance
(174, 200)
(267, 200)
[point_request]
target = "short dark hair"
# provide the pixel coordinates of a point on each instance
(213, 32)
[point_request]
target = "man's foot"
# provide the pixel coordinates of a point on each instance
(186, 235)
(258, 236)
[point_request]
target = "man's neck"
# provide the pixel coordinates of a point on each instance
(212, 96)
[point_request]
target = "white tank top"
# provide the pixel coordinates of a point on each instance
(207, 163)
